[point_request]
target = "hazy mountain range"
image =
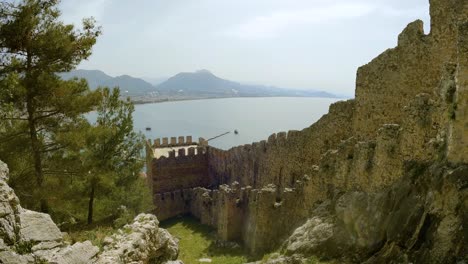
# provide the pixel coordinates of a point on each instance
(186, 85)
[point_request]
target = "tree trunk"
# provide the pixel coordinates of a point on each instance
(35, 144)
(36, 152)
(91, 204)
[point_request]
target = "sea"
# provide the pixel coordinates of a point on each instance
(254, 119)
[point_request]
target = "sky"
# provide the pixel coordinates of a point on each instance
(301, 44)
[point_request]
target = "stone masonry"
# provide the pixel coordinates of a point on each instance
(411, 107)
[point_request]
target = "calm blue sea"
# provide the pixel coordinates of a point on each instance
(254, 118)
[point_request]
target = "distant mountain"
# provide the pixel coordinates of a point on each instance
(128, 85)
(203, 83)
(198, 83)
(95, 78)
(186, 85)
(154, 81)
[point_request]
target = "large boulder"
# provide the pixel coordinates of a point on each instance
(140, 242)
(9, 209)
(36, 227)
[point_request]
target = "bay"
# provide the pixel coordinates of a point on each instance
(254, 118)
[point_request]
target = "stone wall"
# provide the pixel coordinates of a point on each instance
(411, 107)
(181, 171)
(284, 157)
(458, 131)
(170, 204)
(241, 214)
(172, 142)
(389, 82)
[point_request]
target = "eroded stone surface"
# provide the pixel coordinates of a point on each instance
(28, 237)
(140, 242)
(36, 226)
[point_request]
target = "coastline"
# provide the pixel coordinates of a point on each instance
(136, 101)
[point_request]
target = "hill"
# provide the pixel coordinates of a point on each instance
(128, 84)
(95, 78)
(186, 85)
(203, 83)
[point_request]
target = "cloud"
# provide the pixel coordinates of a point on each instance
(271, 25)
(73, 11)
(398, 12)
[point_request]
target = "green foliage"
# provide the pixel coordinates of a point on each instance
(96, 235)
(23, 248)
(39, 106)
(315, 260)
(39, 260)
(106, 161)
(59, 162)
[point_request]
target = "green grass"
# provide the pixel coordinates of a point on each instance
(197, 241)
(315, 260)
(96, 235)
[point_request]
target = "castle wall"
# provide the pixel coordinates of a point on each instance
(170, 204)
(247, 215)
(180, 172)
(411, 106)
(389, 82)
(284, 157)
(458, 131)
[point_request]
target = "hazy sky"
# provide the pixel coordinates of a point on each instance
(306, 44)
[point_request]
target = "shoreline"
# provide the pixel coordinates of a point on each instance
(167, 100)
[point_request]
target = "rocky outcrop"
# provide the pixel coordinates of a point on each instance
(140, 242)
(419, 219)
(31, 237)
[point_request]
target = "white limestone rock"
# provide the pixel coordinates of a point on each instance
(310, 235)
(78, 253)
(36, 227)
(140, 242)
(11, 257)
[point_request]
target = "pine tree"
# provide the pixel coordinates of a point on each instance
(36, 104)
(113, 156)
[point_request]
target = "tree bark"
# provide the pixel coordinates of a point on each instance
(35, 144)
(91, 204)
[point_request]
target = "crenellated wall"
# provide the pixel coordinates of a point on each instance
(411, 106)
(181, 171)
(284, 157)
(173, 142)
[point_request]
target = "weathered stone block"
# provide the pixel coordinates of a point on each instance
(181, 141)
(36, 227)
(157, 143)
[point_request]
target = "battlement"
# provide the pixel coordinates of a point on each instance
(182, 154)
(173, 142)
(176, 163)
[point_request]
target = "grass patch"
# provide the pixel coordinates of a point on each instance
(95, 234)
(315, 260)
(197, 241)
